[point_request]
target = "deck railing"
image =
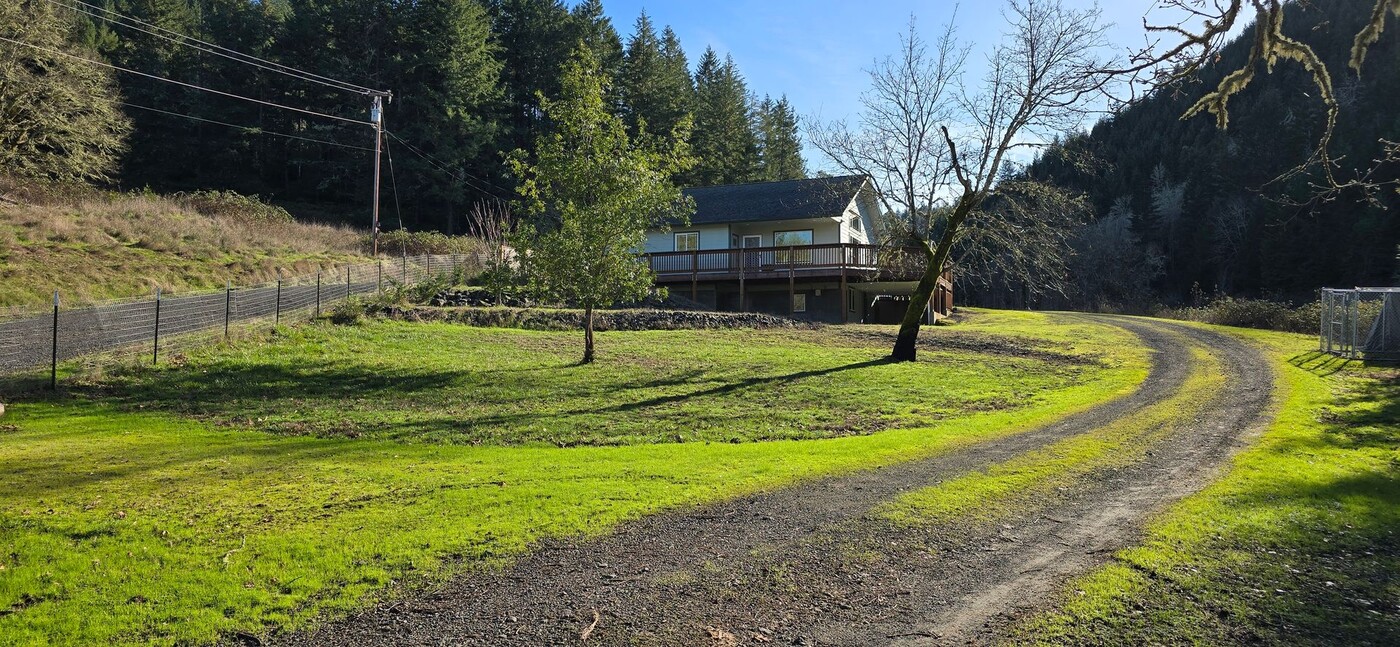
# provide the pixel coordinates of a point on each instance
(756, 262)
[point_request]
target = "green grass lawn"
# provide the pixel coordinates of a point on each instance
(448, 383)
(1296, 544)
(151, 505)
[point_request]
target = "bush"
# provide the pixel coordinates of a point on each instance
(418, 243)
(349, 312)
(1251, 313)
(235, 206)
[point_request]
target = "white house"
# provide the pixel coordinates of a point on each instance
(804, 248)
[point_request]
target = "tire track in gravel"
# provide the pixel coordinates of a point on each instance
(810, 565)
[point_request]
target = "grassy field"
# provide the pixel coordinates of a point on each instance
(461, 385)
(1296, 544)
(403, 453)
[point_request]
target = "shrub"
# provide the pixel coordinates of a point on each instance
(349, 312)
(1251, 313)
(417, 243)
(235, 206)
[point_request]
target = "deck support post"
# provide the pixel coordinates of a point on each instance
(694, 275)
(845, 297)
(792, 282)
(743, 305)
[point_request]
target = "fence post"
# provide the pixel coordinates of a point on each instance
(430, 266)
(405, 269)
(155, 344)
(228, 305)
(53, 369)
(379, 277)
(347, 282)
(318, 294)
(277, 309)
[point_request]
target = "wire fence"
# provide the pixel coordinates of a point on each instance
(1361, 323)
(30, 340)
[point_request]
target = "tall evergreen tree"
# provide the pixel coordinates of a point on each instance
(446, 76)
(726, 147)
(58, 116)
(779, 141)
(595, 30)
(536, 38)
(655, 84)
(160, 153)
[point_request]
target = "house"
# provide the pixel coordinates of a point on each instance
(800, 248)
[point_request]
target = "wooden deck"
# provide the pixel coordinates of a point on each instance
(867, 262)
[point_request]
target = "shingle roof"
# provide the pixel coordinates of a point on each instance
(822, 197)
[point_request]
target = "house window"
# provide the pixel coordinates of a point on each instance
(799, 302)
(851, 299)
(687, 241)
(796, 238)
(855, 223)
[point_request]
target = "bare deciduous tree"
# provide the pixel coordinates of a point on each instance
(491, 222)
(935, 148)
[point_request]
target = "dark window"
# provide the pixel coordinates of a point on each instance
(796, 238)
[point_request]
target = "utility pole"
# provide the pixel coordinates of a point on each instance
(376, 116)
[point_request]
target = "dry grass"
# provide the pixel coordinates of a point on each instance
(92, 245)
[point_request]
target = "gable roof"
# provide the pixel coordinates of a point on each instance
(821, 197)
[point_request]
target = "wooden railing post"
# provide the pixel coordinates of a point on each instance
(694, 275)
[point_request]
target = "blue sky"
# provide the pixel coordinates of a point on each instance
(816, 51)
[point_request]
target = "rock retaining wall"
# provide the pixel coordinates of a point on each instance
(561, 319)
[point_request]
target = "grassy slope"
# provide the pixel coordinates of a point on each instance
(135, 526)
(104, 246)
(1295, 545)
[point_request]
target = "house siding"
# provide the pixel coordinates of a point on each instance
(711, 237)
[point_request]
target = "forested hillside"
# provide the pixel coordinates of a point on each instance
(1184, 208)
(466, 75)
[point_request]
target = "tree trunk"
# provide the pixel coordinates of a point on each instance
(905, 346)
(588, 334)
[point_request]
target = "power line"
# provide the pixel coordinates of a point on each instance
(182, 83)
(250, 129)
(211, 48)
(442, 166)
(395, 184)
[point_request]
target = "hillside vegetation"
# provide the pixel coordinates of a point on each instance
(93, 245)
(1183, 206)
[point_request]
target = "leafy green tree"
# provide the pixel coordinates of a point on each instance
(726, 146)
(59, 117)
(780, 143)
(590, 193)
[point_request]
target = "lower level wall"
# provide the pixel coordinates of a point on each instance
(822, 299)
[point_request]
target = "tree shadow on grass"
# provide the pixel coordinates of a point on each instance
(421, 403)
